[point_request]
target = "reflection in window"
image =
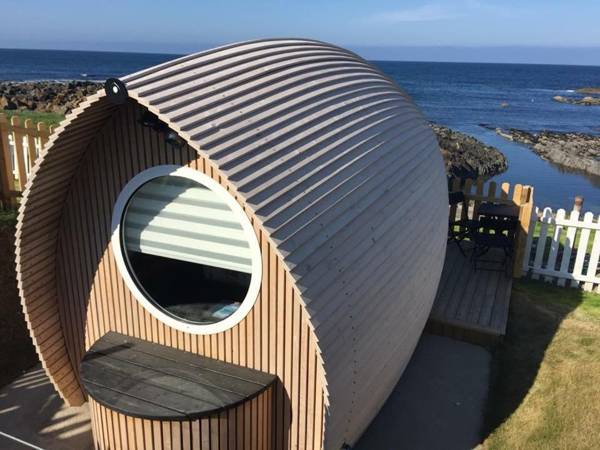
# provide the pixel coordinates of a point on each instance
(186, 249)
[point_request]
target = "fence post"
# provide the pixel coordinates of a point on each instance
(479, 193)
(465, 208)
(30, 130)
(584, 237)
(6, 177)
(578, 204)
(19, 151)
(524, 199)
(454, 186)
(43, 133)
(592, 269)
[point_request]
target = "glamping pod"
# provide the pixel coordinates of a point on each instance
(235, 249)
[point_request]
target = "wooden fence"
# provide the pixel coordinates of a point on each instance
(564, 248)
(477, 191)
(20, 144)
(555, 246)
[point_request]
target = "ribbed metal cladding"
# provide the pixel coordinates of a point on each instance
(335, 160)
(342, 172)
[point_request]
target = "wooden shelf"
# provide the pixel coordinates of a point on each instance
(151, 381)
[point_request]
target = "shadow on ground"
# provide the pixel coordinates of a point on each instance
(31, 411)
(454, 395)
(17, 353)
(439, 401)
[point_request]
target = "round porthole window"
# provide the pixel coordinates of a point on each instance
(186, 249)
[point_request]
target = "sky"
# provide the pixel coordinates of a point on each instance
(540, 31)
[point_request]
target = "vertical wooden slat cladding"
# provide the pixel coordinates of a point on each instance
(90, 284)
(343, 182)
(113, 431)
(35, 269)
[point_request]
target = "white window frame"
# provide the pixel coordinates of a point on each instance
(256, 276)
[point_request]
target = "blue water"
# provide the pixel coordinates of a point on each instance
(461, 96)
(28, 65)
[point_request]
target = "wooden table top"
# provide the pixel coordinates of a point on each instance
(151, 381)
(498, 210)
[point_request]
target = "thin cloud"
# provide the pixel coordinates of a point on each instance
(425, 13)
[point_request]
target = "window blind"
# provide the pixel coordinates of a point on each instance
(178, 218)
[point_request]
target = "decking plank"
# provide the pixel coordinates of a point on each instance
(482, 279)
(501, 307)
(484, 314)
(470, 305)
(454, 266)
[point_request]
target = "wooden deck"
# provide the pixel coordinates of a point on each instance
(470, 305)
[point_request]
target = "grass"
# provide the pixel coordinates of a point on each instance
(49, 117)
(563, 237)
(583, 305)
(546, 375)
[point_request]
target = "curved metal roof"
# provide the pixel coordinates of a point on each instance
(289, 122)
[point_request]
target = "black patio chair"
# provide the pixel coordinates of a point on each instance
(494, 233)
(459, 230)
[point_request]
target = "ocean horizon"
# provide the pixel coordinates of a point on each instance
(22, 65)
(462, 96)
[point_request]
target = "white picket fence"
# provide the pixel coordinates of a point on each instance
(564, 248)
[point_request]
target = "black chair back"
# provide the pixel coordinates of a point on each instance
(456, 197)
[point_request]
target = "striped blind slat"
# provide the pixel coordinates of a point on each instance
(177, 218)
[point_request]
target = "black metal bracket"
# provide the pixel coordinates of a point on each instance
(116, 91)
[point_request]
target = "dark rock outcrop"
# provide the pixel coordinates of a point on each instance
(45, 96)
(467, 157)
(589, 91)
(586, 101)
(589, 96)
(577, 151)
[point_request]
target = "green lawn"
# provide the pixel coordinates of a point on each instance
(49, 118)
(563, 236)
(545, 390)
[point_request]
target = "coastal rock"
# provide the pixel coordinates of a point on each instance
(467, 157)
(589, 91)
(586, 101)
(577, 151)
(45, 96)
(6, 103)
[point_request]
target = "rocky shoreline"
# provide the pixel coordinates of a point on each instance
(464, 156)
(585, 101)
(578, 151)
(590, 97)
(589, 90)
(45, 96)
(467, 157)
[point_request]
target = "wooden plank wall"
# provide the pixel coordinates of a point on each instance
(36, 240)
(245, 427)
(275, 336)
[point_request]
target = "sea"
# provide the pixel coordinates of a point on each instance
(467, 97)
